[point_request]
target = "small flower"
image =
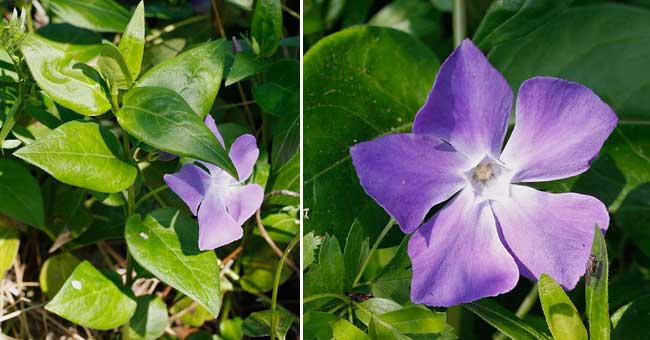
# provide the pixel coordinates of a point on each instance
(494, 229)
(221, 203)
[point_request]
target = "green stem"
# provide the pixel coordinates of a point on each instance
(30, 23)
(374, 247)
(114, 102)
(290, 12)
(459, 21)
(276, 283)
(15, 112)
(326, 296)
(129, 269)
(150, 194)
(524, 307)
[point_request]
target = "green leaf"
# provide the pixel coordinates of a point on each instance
(259, 324)
(161, 118)
(195, 317)
(353, 94)
(344, 330)
(511, 19)
(309, 244)
(416, 17)
(20, 194)
(394, 279)
(165, 243)
(287, 177)
(415, 320)
(95, 15)
(503, 320)
(327, 275)
(596, 289)
(58, 71)
(149, 320)
(381, 331)
(259, 264)
(561, 315)
(357, 247)
(81, 154)
(266, 28)
(245, 65)
(195, 75)
(55, 271)
(631, 321)
(231, 329)
(243, 4)
(132, 43)
(619, 176)
(113, 68)
(318, 325)
(9, 242)
(90, 299)
(374, 307)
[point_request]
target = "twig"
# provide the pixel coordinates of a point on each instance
(267, 238)
(182, 312)
(232, 255)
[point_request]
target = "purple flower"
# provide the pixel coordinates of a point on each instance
(221, 203)
(494, 229)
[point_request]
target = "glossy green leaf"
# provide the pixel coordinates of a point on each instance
(9, 242)
(309, 245)
(259, 263)
(596, 289)
(161, 118)
(258, 324)
(96, 15)
(415, 320)
(20, 194)
(81, 154)
(374, 307)
(287, 177)
(416, 17)
(132, 43)
(266, 28)
(195, 317)
(631, 320)
(165, 243)
(58, 72)
(194, 74)
(619, 176)
(55, 271)
(561, 315)
(353, 94)
(245, 65)
(505, 321)
(344, 330)
(511, 19)
(231, 329)
(113, 68)
(381, 331)
(149, 320)
(317, 325)
(90, 299)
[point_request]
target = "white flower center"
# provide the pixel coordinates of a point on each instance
(490, 179)
(223, 183)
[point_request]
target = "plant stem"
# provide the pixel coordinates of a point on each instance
(374, 247)
(326, 296)
(524, 307)
(15, 111)
(129, 270)
(459, 21)
(148, 195)
(276, 283)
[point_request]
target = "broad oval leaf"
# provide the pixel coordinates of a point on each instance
(20, 194)
(244, 66)
(620, 176)
(132, 43)
(149, 320)
(266, 28)
(561, 315)
(114, 69)
(83, 155)
(95, 15)
(55, 271)
(161, 118)
(61, 75)
(9, 242)
(90, 299)
(165, 243)
(353, 94)
(194, 74)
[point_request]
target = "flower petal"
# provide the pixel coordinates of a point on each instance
(243, 153)
(190, 183)
(244, 201)
(559, 128)
(457, 255)
(216, 227)
(550, 233)
(209, 121)
(469, 104)
(407, 174)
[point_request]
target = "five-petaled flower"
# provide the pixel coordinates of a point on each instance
(494, 228)
(221, 203)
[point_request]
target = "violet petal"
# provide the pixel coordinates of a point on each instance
(190, 183)
(550, 233)
(244, 201)
(209, 121)
(216, 227)
(243, 153)
(559, 129)
(407, 174)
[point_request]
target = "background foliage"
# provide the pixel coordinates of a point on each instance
(93, 244)
(368, 67)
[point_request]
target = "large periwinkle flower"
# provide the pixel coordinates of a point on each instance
(493, 229)
(221, 202)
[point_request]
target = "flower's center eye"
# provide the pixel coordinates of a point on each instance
(490, 179)
(483, 172)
